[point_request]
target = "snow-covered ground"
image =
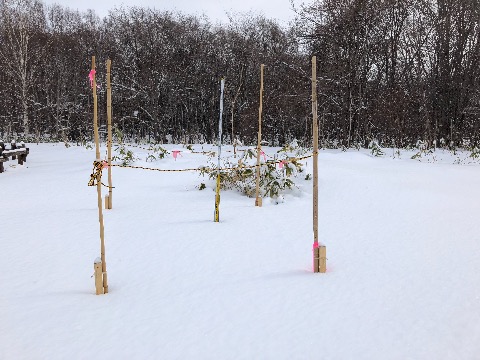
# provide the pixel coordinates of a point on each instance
(403, 248)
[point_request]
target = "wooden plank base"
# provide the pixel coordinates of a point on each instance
(323, 259)
(316, 260)
(108, 202)
(105, 283)
(97, 265)
(320, 259)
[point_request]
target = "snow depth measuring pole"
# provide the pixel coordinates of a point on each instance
(217, 193)
(319, 251)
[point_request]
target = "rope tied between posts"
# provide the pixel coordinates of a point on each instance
(203, 168)
(96, 174)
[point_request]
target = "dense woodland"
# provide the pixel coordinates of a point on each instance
(397, 71)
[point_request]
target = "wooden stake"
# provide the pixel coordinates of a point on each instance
(95, 123)
(109, 120)
(105, 282)
(317, 253)
(217, 199)
(323, 258)
(99, 185)
(97, 266)
(315, 151)
(217, 192)
(316, 259)
(258, 199)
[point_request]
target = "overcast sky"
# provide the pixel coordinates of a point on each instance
(215, 9)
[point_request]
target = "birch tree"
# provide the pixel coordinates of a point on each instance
(21, 52)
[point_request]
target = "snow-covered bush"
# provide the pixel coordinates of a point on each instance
(375, 148)
(423, 149)
(293, 147)
(475, 153)
(158, 152)
(124, 155)
(276, 176)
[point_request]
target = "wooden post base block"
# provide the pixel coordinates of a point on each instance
(105, 283)
(258, 202)
(323, 259)
(320, 259)
(316, 260)
(108, 202)
(97, 265)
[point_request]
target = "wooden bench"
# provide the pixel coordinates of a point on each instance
(16, 151)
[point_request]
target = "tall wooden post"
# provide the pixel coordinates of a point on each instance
(217, 193)
(108, 198)
(99, 185)
(319, 252)
(258, 198)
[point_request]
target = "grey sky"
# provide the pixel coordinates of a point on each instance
(215, 9)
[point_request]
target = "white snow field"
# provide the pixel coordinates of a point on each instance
(402, 281)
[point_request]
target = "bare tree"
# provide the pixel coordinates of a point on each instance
(22, 22)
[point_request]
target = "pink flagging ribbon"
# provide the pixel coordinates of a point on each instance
(281, 164)
(91, 75)
(264, 156)
(175, 153)
(105, 164)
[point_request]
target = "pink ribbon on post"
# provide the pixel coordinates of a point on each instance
(91, 75)
(175, 153)
(105, 164)
(281, 164)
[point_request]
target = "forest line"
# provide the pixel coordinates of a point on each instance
(392, 71)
